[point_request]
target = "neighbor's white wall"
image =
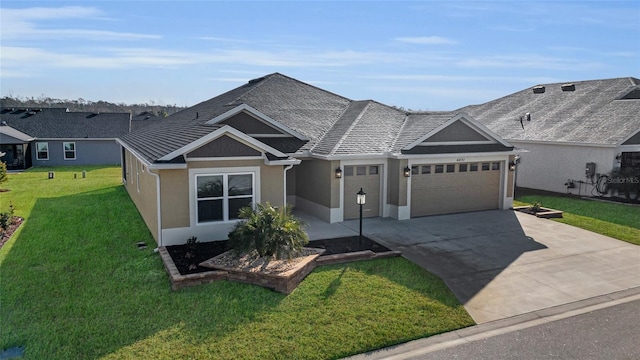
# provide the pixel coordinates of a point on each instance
(549, 166)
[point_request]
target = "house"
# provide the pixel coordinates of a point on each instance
(570, 133)
(57, 137)
(279, 140)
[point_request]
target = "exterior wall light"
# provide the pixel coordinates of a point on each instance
(338, 173)
(407, 171)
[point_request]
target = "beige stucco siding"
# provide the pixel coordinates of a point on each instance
(315, 180)
(174, 190)
(142, 190)
(397, 183)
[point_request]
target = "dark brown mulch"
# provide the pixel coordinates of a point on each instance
(187, 261)
(5, 234)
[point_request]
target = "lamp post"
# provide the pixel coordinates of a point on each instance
(361, 200)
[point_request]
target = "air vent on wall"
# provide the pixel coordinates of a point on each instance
(538, 89)
(569, 87)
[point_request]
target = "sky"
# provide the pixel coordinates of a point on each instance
(423, 55)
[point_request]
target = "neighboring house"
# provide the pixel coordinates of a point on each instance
(570, 133)
(276, 139)
(56, 137)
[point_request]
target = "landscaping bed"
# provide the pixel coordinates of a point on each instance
(185, 266)
(540, 212)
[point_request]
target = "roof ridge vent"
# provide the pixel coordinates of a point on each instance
(539, 89)
(568, 87)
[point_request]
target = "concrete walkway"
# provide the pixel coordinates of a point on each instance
(502, 263)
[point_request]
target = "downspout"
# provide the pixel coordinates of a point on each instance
(286, 168)
(159, 208)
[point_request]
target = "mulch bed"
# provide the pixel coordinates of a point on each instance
(187, 263)
(5, 234)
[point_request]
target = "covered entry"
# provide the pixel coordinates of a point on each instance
(366, 177)
(455, 187)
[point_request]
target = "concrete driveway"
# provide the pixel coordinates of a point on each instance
(503, 263)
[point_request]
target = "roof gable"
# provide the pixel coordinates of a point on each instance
(226, 130)
(254, 123)
(461, 129)
(223, 146)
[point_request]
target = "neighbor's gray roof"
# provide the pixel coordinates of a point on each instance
(58, 123)
(333, 124)
(593, 113)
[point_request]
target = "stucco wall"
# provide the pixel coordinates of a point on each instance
(549, 166)
(142, 190)
(397, 183)
(314, 179)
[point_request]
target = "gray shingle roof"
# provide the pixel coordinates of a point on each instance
(58, 123)
(592, 113)
(333, 124)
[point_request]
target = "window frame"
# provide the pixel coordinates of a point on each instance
(38, 151)
(64, 150)
(225, 195)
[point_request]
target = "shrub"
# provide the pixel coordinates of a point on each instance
(536, 206)
(6, 218)
(268, 230)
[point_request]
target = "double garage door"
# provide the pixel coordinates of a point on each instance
(451, 188)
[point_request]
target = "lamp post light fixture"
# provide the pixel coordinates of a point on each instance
(361, 199)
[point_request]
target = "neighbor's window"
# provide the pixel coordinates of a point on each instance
(69, 150)
(42, 149)
(220, 197)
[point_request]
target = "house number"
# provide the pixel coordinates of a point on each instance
(460, 159)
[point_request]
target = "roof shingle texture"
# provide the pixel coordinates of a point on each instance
(58, 123)
(591, 114)
(333, 124)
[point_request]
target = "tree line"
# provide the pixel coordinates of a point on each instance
(83, 105)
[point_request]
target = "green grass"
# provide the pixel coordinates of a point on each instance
(75, 286)
(615, 220)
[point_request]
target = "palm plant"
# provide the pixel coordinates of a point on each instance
(268, 230)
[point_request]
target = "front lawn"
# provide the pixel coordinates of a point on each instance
(619, 221)
(75, 286)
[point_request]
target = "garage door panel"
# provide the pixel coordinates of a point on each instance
(444, 193)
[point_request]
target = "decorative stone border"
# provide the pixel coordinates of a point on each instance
(544, 213)
(285, 286)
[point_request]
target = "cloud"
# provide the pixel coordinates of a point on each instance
(22, 24)
(528, 61)
(426, 40)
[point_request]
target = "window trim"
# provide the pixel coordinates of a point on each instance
(64, 150)
(38, 151)
(193, 189)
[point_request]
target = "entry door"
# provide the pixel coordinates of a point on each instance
(366, 177)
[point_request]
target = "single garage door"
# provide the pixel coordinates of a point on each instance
(452, 188)
(366, 177)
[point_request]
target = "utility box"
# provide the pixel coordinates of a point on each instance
(590, 170)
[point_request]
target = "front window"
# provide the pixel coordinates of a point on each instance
(220, 197)
(69, 150)
(42, 150)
